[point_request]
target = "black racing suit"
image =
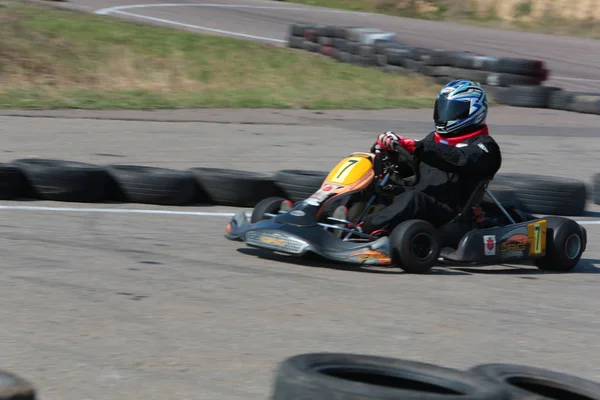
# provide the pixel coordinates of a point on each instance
(449, 175)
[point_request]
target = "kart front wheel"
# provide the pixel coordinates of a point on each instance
(415, 246)
(270, 205)
(565, 243)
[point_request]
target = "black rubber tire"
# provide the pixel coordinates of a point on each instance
(336, 54)
(344, 57)
(469, 74)
(401, 245)
(396, 56)
(270, 205)
(596, 189)
(152, 185)
(230, 187)
(443, 71)
(419, 54)
(550, 195)
(353, 48)
(413, 65)
(366, 51)
(298, 29)
(527, 382)
(364, 61)
(325, 41)
(325, 376)
(341, 32)
(436, 58)
(379, 45)
(498, 79)
(60, 180)
(299, 184)
(519, 66)
(558, 238)
(529, 96)
(341, 44)
(12, 182)
(561, 100)
(295, 42)
(13, 387)
(312, 46)
(497, 93)
(327, 31)
(586, 103)
(473, 62)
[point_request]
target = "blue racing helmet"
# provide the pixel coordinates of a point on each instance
(460, 106)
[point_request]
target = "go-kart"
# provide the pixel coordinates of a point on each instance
(483, 232)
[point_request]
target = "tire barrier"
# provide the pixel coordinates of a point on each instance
(13, 387)
(71, 181)
(342, 376)
(546, 194)
(515, 82)
(299, 184)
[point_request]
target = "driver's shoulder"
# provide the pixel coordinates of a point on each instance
(484, 139)
(485, 143)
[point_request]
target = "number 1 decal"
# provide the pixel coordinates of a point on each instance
(538, 242)
(537, 237)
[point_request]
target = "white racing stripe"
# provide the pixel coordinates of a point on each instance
(164, 212)
(119, 10)
(105, 11)
(201, 28)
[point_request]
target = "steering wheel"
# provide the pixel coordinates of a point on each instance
(405, 157)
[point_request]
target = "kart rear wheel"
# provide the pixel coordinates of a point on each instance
(415, 246)
(565, 243)
(270, 205)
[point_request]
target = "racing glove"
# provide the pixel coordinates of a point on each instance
(386, 141)
(408, 144)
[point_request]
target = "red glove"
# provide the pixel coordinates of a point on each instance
(408, 144)
(386, 141)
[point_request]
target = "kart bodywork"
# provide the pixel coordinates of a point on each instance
(503, 235)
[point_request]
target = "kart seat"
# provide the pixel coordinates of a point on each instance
(475, 200)
(467, 218)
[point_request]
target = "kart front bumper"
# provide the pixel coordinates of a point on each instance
(298, 240)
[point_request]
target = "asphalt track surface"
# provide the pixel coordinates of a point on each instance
(104, 303)
(573, 62)
(144, 302)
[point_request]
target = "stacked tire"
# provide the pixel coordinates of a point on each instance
(345, 376)
(73, 181)
(516, 82)
(14, 387)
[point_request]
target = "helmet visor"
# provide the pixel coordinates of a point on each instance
(450, 110)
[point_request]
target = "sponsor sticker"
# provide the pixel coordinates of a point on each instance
(273, 240)
(489, 245)
(298, 213)
(517, 242)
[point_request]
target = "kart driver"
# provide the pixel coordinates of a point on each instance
(454, 159)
